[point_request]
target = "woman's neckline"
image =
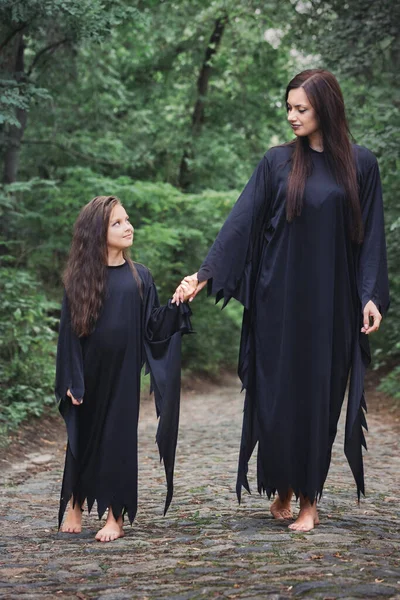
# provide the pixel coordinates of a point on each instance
(316, 151)
(117, 266)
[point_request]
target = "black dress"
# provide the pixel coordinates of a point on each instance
(303, 286)
(104, 369)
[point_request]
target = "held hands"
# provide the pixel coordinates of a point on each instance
(74, 400)
(371, 313)
(188, 289)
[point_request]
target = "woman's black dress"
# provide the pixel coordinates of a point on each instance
(104, 369)
(303, 286)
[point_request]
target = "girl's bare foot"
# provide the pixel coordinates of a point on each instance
(112, 530)
(308, 516)
(280, 508)
(73, 520)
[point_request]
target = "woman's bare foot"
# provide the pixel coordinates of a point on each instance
(73, 520)
(112, 530)
(308, 516)
(280, 508)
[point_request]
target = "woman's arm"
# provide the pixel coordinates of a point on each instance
(372, 280)
(230, 264)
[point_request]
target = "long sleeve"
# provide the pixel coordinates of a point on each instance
(164, 326)
(372, 284)
(372, 278)
(69, 373)
(230, 266)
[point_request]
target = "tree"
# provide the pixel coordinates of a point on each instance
(31, 33)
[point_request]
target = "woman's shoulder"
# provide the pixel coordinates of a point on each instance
(278, 153)
(365, 158)
(278, 156)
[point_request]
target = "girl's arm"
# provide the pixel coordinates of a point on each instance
(163, 328)
(69, 384)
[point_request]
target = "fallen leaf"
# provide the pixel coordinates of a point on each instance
(316, 556)
(379, 580)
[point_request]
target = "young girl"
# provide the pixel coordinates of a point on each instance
(304, 251)
(111, 324)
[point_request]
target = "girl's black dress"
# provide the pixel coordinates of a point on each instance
(303, 286)
(104, 369)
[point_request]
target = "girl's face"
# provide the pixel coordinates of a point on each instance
(301, 115)
(120, 231)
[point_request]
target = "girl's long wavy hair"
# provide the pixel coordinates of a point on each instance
(325, 96)
(85, 275)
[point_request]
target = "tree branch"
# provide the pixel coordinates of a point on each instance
(51, 48)
(75, 153)
(202, 90)
(12, 34)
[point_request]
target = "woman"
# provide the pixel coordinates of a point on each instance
(111, 323)
(303, 250)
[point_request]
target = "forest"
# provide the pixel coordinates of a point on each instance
(169, 105)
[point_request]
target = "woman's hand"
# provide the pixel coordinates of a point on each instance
(74, 400)
(196, 287)
(371, 312)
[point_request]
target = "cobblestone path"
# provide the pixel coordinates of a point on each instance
(207, 546)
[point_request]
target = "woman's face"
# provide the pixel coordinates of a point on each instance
(301, 115)
(120, 231)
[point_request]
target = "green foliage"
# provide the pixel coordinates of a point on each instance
(126, 106)
(391, 383)
(47, 27)
(27, 348)
(111, 89)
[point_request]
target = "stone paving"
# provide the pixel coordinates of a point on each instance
(207, 546)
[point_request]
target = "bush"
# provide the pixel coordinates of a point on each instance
(27, 349)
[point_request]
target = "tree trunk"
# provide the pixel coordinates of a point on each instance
(202, 90)
(13, 64)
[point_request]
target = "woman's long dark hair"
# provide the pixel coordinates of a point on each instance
(325, 96)
(85, 275)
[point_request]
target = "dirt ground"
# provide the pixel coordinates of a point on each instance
(45, 432)
(207, 546)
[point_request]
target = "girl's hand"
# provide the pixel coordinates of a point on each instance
(74, 400)
(184, 291)
(371, 312)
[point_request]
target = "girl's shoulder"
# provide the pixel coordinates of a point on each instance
(142, 270)
(144, 274)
